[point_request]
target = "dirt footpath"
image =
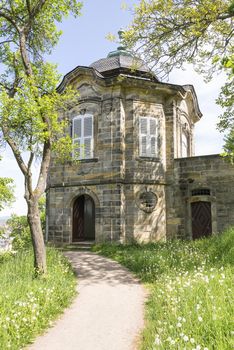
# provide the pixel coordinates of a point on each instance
(106, 315)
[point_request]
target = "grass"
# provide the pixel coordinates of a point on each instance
(191, 291)
(28, 305)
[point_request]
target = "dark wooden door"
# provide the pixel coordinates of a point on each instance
(78, 219)
(89, 219)
(83, 219)
(201, 219)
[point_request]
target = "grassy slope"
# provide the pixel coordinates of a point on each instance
(28, 305)
(191, 302)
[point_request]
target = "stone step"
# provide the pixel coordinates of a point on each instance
(81, 245)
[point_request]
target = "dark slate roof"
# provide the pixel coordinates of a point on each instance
(122, 61)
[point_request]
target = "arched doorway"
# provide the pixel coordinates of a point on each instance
(83, 219)
(201, 219)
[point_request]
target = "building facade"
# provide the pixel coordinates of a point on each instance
(137, 177)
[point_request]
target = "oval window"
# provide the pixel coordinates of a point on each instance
(147, 201)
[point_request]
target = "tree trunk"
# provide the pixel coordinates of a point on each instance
(37, 237)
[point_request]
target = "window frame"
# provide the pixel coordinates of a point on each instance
(82, 138)
(149, 137)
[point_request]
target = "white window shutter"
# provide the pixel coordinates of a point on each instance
(148, 137)
(82, 134)
(76, 136)
(153, 137)
(88, 136)
(143, 126)
(153, 126)
(184, 145)
(143, 146)
(87, 147)
(143, 137)
(153, 146)
(88, 125)
(76, 128)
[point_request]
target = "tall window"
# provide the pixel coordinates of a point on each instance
(82, 136)
(184, 145)
(148, 137)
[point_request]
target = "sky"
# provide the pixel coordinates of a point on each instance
(83, 42)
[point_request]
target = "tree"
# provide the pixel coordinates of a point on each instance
(226, 100)
(170, 33)
(30, 105)
(6, 191)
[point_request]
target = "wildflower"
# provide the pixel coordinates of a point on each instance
(179, 325)
(192, 341)
(186, 338)
(157, 340)
(200, 318)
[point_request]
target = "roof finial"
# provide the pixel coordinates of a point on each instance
(121, 37)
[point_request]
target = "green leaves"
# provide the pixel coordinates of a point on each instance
(6, 191)
(226, 100)
(30, 104)
(169, 33)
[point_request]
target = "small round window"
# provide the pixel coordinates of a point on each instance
(147, 201)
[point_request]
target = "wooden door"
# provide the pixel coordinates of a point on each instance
(83, 219)
(201, 219)
(89, 219)
(78, 219)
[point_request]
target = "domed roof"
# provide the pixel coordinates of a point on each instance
(122, 61)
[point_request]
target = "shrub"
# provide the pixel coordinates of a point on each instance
(19, 231)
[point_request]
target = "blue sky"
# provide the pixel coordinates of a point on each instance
(83, 42)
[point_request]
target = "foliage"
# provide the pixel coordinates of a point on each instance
(30, 103)
(28, 305)
(191, 290)
(6, 191)
(19, 230)
(226, 100)
(170, 33)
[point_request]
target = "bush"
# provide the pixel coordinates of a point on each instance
(20, 232)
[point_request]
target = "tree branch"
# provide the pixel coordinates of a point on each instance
(9, 19)
(15, 150)
(37, 8)
(28, 7)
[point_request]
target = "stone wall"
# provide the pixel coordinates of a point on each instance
(210, 172)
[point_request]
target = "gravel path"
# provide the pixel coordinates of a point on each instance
(106, 315)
